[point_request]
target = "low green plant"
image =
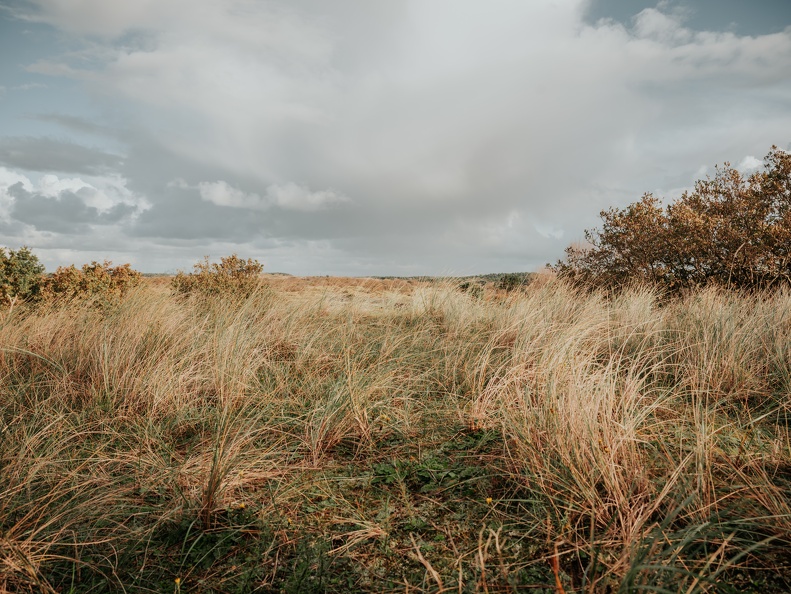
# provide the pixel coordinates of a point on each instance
(473, 288)
(511, 281)
(232, 275)
(21, 274)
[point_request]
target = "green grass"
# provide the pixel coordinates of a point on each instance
(393, 437)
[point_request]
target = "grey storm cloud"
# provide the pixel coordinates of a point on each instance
(66, 213)
(179, 215)
(182, 213)
(46, 154)
(413, 136)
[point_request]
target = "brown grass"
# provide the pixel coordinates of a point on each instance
(432, 440)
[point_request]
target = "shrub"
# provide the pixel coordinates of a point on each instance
(21, 274)
(103, 282)
(473, 288)
(731, 231)
(511, 281)
(232, 276)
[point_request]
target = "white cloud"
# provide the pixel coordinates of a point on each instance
(437, 116)
(292, 196)
(9, 177)
(288, 196)
(749, 164)
(101, 193)
(52, 186)
(222, 194)
(666, 28)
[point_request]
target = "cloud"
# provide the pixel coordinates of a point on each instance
(180, 216)
(288, 196)
(417, 136)
(91, 17)
(293, 196)
(68, 206)
(67, 213)
(749, 164)
(47, 154)
(221, 194)
(75, 123)
(28, 86)
(666, 28)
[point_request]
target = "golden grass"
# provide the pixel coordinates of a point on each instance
(544, 438)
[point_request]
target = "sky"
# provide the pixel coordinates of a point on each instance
(400, 137)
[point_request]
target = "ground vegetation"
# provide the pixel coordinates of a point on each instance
(364, 435)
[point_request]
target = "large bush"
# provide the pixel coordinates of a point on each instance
(21, 273)
(232, 276)
(102, 282)
(731, 231)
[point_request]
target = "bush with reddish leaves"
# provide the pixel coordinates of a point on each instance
(101, 282)
(731, 231)
(231, 276)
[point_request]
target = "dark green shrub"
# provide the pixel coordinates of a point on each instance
(232, 276)
(473, 288)
(21, 274)
(511, 281)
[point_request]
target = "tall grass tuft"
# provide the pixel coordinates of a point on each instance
(397, 434)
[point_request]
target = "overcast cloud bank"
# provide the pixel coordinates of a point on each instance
(431, 137)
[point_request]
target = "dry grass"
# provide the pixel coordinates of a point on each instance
(390, 435)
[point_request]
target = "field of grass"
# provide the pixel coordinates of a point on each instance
(349, 435)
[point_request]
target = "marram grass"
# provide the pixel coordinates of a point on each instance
(335, 435)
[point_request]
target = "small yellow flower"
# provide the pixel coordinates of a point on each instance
(178, 581)
(488, 501)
